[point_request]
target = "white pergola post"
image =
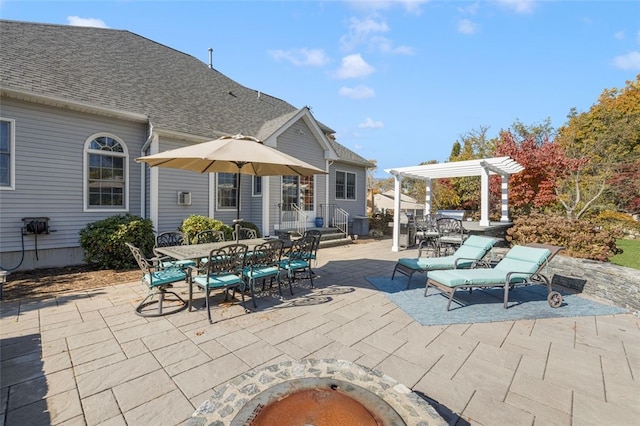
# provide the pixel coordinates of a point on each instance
(396, 213)
(505, 199)
(484, 197)
(427, 201)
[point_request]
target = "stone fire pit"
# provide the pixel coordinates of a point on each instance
(319, 392)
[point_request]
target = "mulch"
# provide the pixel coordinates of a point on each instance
(47, 282)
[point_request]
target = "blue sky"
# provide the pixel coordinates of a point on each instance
(399, 81)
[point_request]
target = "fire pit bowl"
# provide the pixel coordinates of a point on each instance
(320, 392)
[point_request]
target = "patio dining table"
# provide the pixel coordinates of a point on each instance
(199, 251)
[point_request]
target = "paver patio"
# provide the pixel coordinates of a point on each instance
(87, 359)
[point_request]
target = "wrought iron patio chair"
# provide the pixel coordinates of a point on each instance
(427, 235)
(468, 255)
(451, 235)
(222, 271)
(297, 259)
(167, 239)
(317, 235)
(244, 234)
(158, 279)
(209, 236)
(263, 263)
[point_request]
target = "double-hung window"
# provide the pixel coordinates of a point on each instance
(7, 154)
(257, 186)
(345, 185)
(106, 174)
(227, 191)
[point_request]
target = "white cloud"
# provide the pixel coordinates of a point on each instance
(353, 66)
(465, 26)
(411, 6)
(360, 31)
(471, 9)
(301, 57)
(86, 22)
(619, 35)
(630, 61)
(518, 6)
(358, 92)
(385, 45)
(368, 123)
(358, 147)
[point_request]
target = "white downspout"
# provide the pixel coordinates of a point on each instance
(143, 173)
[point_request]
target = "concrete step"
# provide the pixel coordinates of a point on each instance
(330, 237)
(334, 242)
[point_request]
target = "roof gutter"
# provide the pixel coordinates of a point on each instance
(60, 102)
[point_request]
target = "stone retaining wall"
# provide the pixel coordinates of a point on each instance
(615, 283)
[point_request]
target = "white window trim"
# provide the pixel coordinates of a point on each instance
(225, 209)
(253, 186)
(355, 187)
(85, 176)
(12, 153)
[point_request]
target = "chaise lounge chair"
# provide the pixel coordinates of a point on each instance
(470, 252)
(522, 265)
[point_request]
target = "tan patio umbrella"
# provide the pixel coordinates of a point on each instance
(232, 154)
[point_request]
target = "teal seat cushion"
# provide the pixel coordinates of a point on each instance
(177, 263)
(164, 276)
(260, 272)
(217, 281)
(294, 264)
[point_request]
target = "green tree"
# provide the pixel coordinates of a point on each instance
(602, 141)
(473, 145)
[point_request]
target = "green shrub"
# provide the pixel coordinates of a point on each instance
(580, 238)
(195, 223)
(103, 240)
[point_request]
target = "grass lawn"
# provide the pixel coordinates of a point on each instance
(631, 256)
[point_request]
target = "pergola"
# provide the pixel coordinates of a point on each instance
(503, 166)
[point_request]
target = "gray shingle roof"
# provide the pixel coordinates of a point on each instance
(123, 71)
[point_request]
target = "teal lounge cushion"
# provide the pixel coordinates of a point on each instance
(482, 242)
(431, 263)
(476, 277)
(529, 254)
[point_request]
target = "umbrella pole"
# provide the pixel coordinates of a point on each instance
(237, 221)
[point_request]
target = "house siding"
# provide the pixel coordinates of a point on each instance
(357, 207)
(299, 142)
(49, 180)
(170, 182)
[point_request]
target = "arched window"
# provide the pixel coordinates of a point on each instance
(106, 176)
